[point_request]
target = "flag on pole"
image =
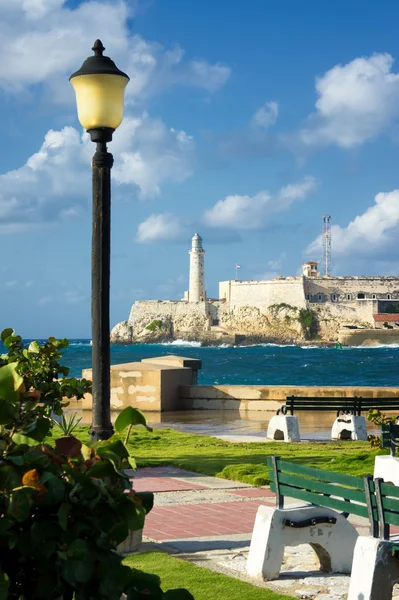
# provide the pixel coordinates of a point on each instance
(238, 266)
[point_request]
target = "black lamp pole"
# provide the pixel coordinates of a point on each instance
(99, 87)
(101, 428)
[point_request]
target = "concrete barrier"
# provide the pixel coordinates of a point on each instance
(265, 397)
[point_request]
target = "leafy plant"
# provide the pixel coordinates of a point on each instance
(64, 506)
(283, 306)
(67, 425)
(308, 321)
(154, 325)
(376, 417)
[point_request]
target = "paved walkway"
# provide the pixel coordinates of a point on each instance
(209, 521)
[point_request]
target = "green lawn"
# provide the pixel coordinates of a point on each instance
(202, 583)
(242, 462)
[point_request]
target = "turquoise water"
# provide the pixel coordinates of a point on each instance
(266, 364)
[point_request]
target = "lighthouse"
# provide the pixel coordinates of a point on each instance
(197, 285)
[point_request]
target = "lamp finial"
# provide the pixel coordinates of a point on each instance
(98, 48)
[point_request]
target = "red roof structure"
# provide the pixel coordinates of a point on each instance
(386, 317)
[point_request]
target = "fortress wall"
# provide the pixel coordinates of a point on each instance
(342, 286)
(262, 294)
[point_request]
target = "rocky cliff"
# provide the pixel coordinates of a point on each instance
(215, 322)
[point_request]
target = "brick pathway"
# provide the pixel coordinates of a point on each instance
(199, 520)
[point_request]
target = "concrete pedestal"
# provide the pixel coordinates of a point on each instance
(374, 570)
(387, 468)
(349, 427)
(132, 543)
(284, 428)
(333, 543)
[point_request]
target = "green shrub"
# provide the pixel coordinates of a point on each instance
(64, 506)
(283, 306)
(154, 325)
(308, 321)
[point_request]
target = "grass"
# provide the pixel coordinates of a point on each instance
(245, 462)
(202, 583)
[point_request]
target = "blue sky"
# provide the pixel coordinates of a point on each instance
(243, 121)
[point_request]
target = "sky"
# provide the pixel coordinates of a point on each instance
(244, 121)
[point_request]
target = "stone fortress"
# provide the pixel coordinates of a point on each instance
(354, 310)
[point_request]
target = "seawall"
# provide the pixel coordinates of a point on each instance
(169, 383)
(267, 398)
(368, 337)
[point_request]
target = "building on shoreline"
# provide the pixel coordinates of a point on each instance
(266, 310)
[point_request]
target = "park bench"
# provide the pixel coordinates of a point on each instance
(375, 567)
(317, 523)
(349, 422)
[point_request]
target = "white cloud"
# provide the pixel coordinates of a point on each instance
(250, 212)
(356, 102)
(266, 115)
(371, 234)
(44, 41)
(148, 153)
(158, 227)
(55, 182)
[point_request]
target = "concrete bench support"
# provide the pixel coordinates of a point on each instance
(349, 427)
(374, 570)
(333, 543)
(283, 427)
(387, 468)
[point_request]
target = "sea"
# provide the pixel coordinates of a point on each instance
(262, 364)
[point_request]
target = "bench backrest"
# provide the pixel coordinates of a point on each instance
(390, 437)
(381, 404)
(388, 506)
(341, 492)
(292, 403)
(354, 405)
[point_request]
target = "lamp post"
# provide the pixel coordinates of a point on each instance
(99, 87)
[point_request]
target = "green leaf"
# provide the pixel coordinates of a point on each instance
(10, 477)
(10, 382)
(4, 585)
(8, 411)
(55, 489)
(63, 513)
(34, 348)
(100, 469)
(33, 433)
(21, 504)
(6, 333)
(129, 416)
(146, 500)
(112, 449)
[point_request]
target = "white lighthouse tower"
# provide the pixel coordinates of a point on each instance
(196, 291)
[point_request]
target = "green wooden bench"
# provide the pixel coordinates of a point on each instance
(375, 567)
(347, 425)
(390, 437)
(331, 497)
(299, 403)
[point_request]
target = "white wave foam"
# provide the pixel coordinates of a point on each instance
(182, 343)
(374, 346)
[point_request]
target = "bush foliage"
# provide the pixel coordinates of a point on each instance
(64, 506)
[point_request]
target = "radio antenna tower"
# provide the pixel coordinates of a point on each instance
(326, 241)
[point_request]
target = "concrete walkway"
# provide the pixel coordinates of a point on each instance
(209, 521)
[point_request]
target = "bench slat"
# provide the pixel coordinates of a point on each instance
(387, 489)
(390, 503)
(391, 518)
(324, 488)
(329, 476)
(311, 498)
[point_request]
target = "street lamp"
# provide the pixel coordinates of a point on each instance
(99, 87)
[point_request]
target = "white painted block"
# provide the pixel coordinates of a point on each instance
(387, 468)
(374, 570)
(283, 427)
(349, 427)
(333, 543)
